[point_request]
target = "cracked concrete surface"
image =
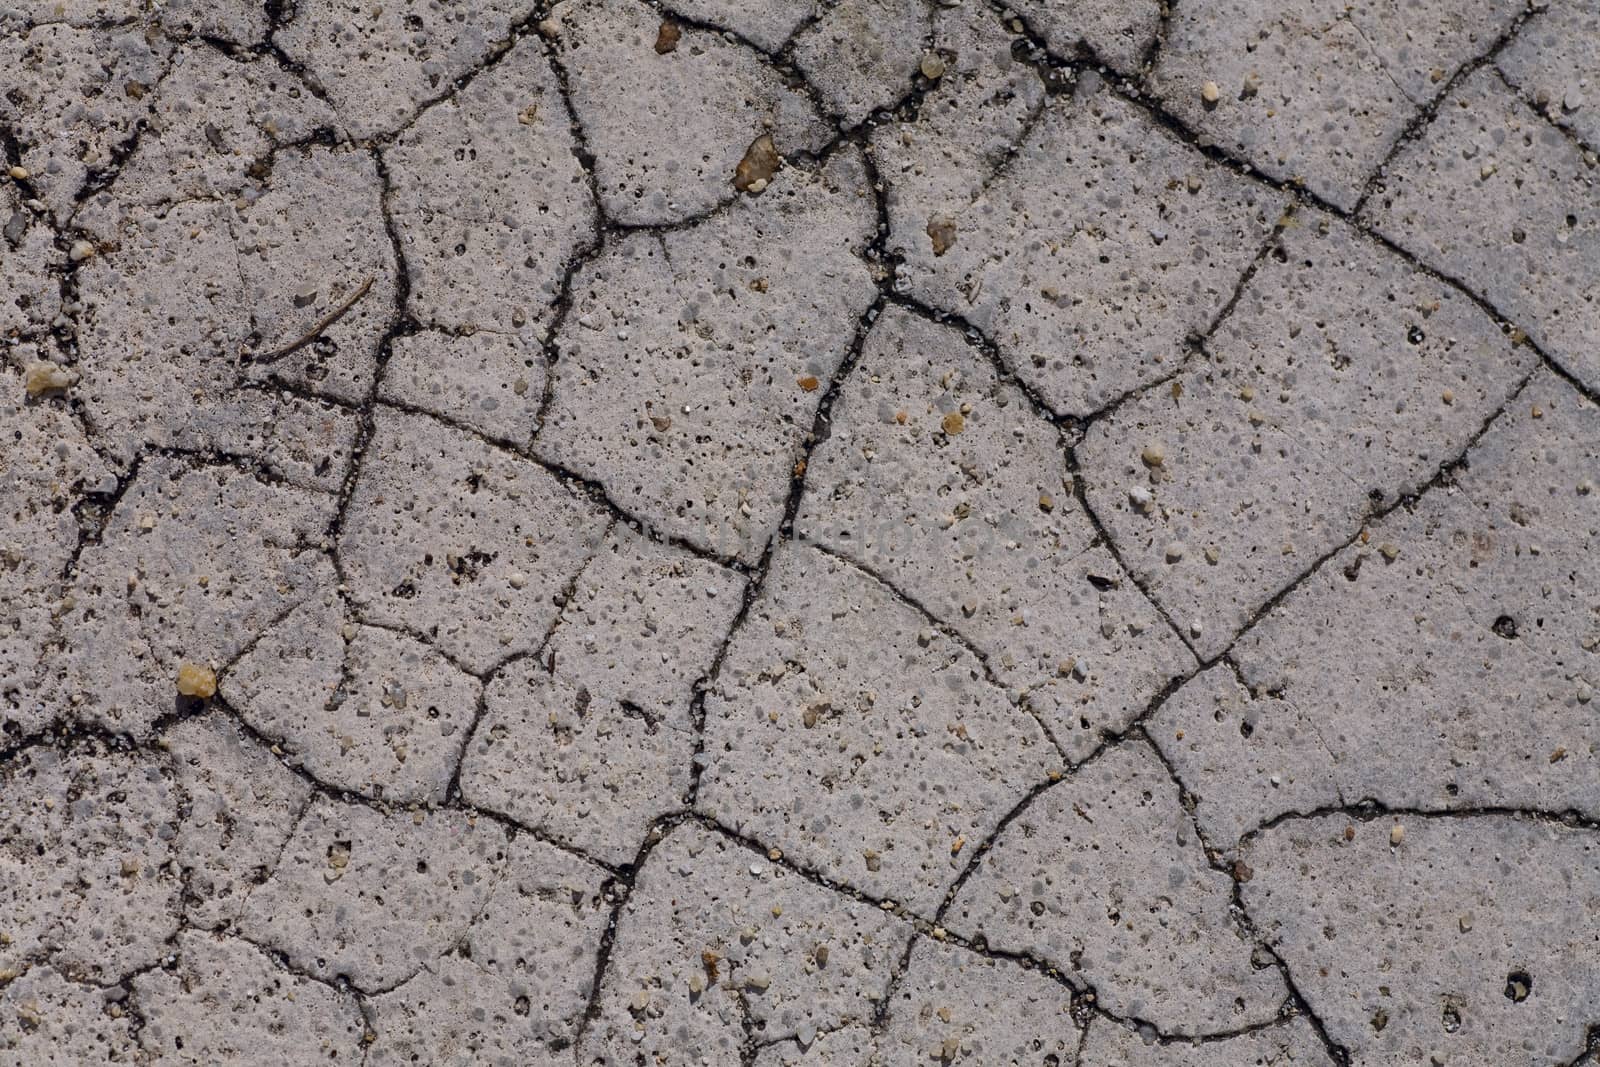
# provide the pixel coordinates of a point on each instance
(843, 533)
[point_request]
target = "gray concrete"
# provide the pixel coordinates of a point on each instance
(845, 533)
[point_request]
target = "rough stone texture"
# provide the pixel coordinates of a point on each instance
(1292, 1042)
(1105, 879)
(1492, 195)
(1119, 32)
(49, 1021)
(1344, 378)
(493, 199)
(437, 512)
(516, 990)
(1446, 709)
(1088, 287)
(716, 943)
(226, 1001)
(376, 899)
(242, 805)
(46, 469)
(193, 565)
(368, 710)
(954, 1006)
(1333, 88)
(1446, 941)
(105, 904)
(980, 527)
(491, 383)
(30, 298)
(767, 24)
(677, 356)
(1247, 755)
(832, 533)
(380, 64)
(692, 111)
(849, 733)
(1555, 62)
(863, 54)
(73, 96)
(594, 741)
(214, 125)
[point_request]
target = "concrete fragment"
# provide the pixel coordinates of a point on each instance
(1315, 95)
(227, 1001)
(1318, 399)
(1445, 943)
(490, 199)
(1493, 195)
(678, 382)
(956, 523)
(713, 936)
(863, 54)
(670, 155)
(837, 736)
(415, 547)
(594, 742)
(1052, 271)
(1103, 877)
(242, 806)
(106, 902)
(366, 709)
(1471, 638)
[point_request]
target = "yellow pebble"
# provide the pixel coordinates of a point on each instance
(197, 680)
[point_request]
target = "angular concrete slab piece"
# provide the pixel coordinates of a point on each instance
(106, 903)
(863, 54)
(1554, 61)
(767, 24)
(693, 110)
(1446, 658)
(1119, 32)
(941, 480)
(461, 543)
(847, 731)
(490, 383)
(594, 741)
(1436, 933)
(1089, 287)
(382, 65)
(516, 990)
(51, 70)
(192, 566)
(1344, 378)
(47, 471)
(953, 1005)
(716, 942)
(226, 1001)
(242, 805)
(490, 200)
(687, 379)
(365, 709)
(1103, 878)
(373, 898)
(214, 125)
(1245, 756)
(1493, 195)
(1313, 94)
(46, 1019)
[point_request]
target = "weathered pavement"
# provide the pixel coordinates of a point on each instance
(800, 533)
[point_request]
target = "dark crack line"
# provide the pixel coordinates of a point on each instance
(1445, 474)
(1424, 116)
(944, 628)
(1242, 919)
